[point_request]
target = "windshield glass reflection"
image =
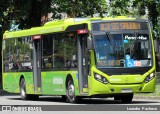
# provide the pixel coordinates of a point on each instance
(122, 50)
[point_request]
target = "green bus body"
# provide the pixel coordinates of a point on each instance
(54, 82)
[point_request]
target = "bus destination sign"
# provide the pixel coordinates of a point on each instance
(113, 26)
(120, 26)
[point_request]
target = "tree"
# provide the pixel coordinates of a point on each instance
(119, 7)
(4, 14)
(28, 13)
(78, 8)
(149, 7)
(138, 8)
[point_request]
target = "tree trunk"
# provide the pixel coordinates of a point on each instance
(35, 14)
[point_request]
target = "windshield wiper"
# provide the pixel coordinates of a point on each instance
(108, 37)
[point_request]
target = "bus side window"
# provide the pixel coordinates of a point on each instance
(47, 52)
(71, 52)
(59, 52)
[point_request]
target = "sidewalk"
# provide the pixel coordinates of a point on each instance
(146, 97)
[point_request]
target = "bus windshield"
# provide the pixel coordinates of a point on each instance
(122, 50)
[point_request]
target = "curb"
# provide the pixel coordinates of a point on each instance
(146, 97)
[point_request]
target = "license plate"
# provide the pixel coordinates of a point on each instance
(126, 90)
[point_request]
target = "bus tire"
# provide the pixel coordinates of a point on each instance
(127, 98)
(70, 93)
(34, 97)
(23, 92)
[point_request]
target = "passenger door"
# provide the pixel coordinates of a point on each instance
(37, 63)
(83, 62)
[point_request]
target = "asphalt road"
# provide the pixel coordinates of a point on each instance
(50, 103)
(15, 99)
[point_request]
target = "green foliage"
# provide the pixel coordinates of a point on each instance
(4, 13)
(29, 12)
(138, 8)
(78, 8)
(26, 12)
(151, 6)
(119, 7)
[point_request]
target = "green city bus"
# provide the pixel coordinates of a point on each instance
(80, 57)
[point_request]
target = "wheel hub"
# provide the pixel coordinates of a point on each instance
(22, 92)
(71, 90)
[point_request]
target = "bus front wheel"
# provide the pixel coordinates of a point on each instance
(70, 93)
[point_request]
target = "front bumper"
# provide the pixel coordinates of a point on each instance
(100, 88)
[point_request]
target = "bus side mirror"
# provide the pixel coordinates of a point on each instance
(90, 45)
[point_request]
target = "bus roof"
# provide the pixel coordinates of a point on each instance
(60, 25)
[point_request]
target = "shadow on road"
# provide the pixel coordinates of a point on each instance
(88, 100)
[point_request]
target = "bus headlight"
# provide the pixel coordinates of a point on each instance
(100, 78)
(149, 77)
